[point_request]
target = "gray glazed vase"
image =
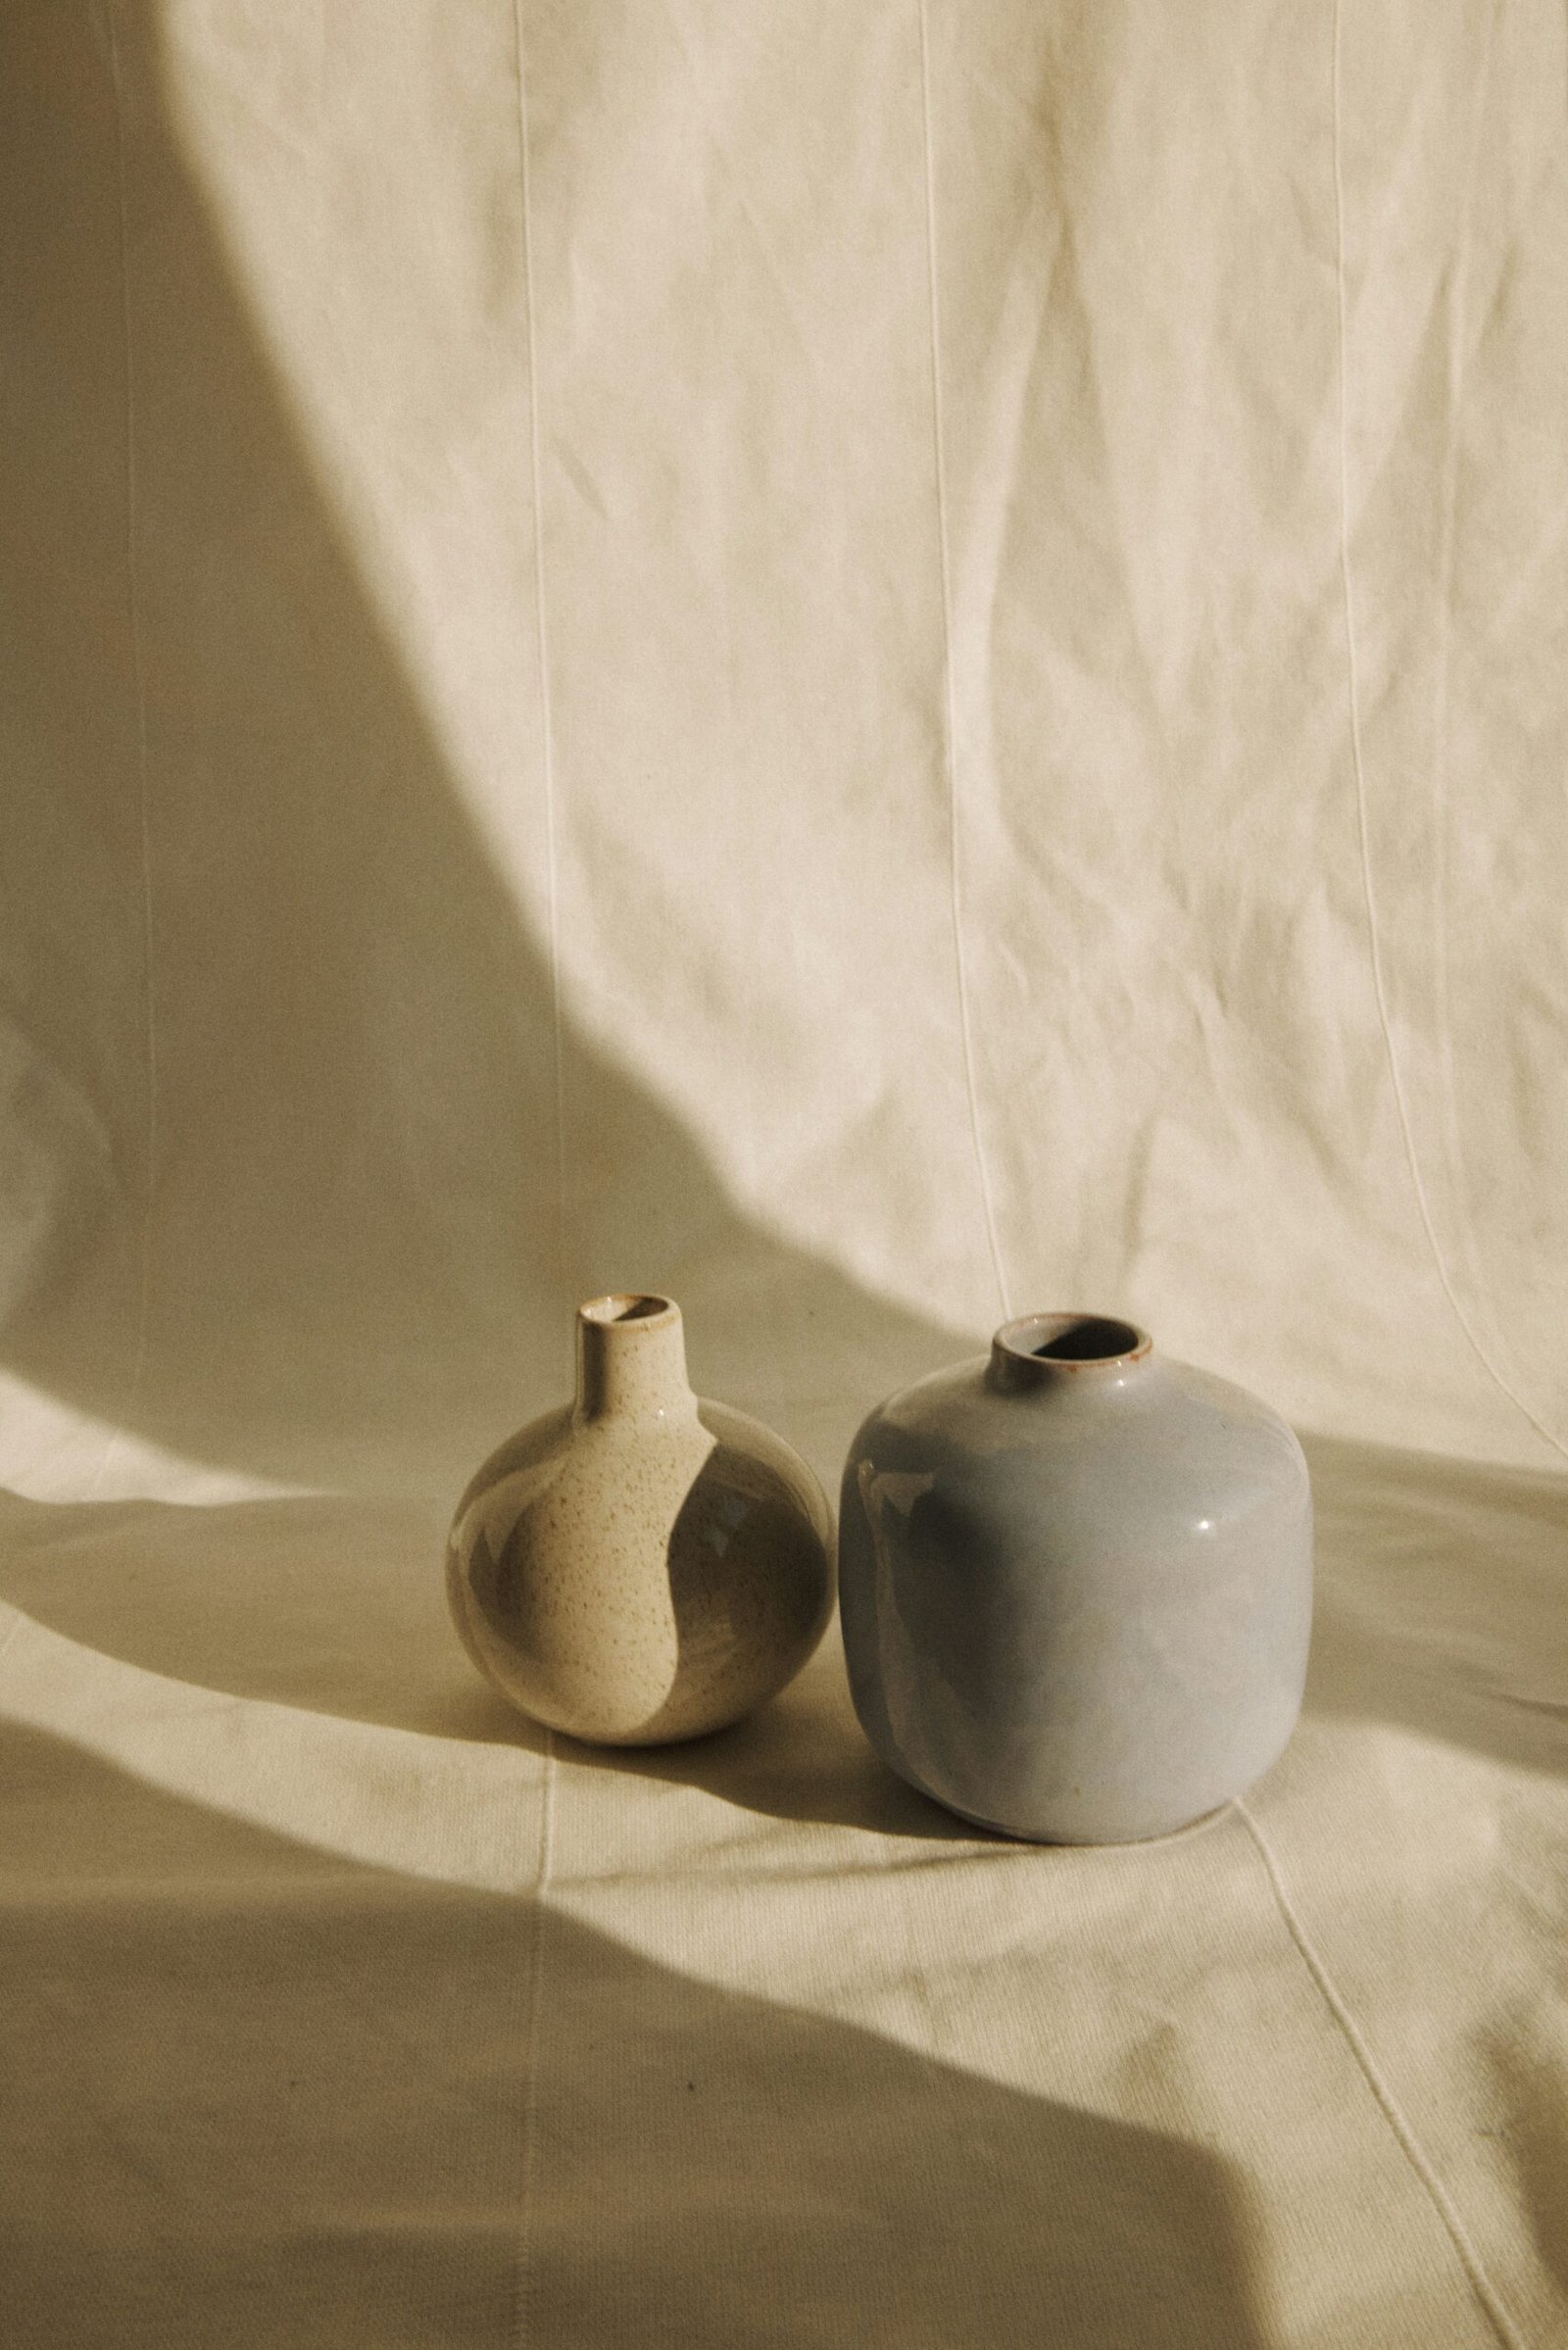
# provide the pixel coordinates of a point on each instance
(641, 1565)
(1076, 1584)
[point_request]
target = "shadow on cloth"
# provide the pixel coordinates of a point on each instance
(1441, 1609)
(338, 1605)
(1442, 1599)
(259, 2093)
(329, 1189)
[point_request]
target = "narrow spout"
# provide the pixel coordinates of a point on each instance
(631, 1359)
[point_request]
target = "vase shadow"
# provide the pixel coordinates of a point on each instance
(1438, 1610)
(337, 1604)
(1442, 1599)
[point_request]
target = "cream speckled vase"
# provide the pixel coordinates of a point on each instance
(641, 1566)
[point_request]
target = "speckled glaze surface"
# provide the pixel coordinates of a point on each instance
(642, 1565)
(1076, 1584)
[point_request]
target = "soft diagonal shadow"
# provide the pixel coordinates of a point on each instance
(352, 1271)
(257, 2093)
(1442, 1599)
(1440, 1608)
(338, 1604)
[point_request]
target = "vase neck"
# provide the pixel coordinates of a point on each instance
(1066, 1350)
(631, 1361)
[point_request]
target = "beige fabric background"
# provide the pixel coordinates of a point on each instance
(874, 665)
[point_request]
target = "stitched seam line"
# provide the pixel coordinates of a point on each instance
(950, 731)
(522, 2312)
(138, 1373)
(1443, 627)
(546, 717)
(1352, 684)
(522, 2305)
(1470, 2259)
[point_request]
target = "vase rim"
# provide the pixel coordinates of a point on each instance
(630, 1310)
(1072, 1344)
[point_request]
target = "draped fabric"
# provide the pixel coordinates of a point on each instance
(880, 667)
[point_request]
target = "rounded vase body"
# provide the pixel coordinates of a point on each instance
(1076, 1584)
(640, 1566)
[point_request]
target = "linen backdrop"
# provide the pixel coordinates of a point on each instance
(880, 666)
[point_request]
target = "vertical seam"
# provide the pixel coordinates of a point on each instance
(1443, 630)
(545, 719)
(524, 2285)
(1410, 2145)
(138, 1374)
(522, 2299)
(950, 731)
(1358, 763)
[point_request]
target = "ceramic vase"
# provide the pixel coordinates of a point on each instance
(1075, 1583)
(640, 1566)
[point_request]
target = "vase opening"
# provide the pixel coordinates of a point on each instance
(1087, 1338)
(1064, 1346)
(624, 1308)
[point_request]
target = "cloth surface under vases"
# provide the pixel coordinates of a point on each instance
(878, 668)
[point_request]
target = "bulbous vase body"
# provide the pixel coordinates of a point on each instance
(641, 1566)
(1076, 1584)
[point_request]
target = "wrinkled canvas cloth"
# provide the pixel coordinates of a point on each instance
(878, 667)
